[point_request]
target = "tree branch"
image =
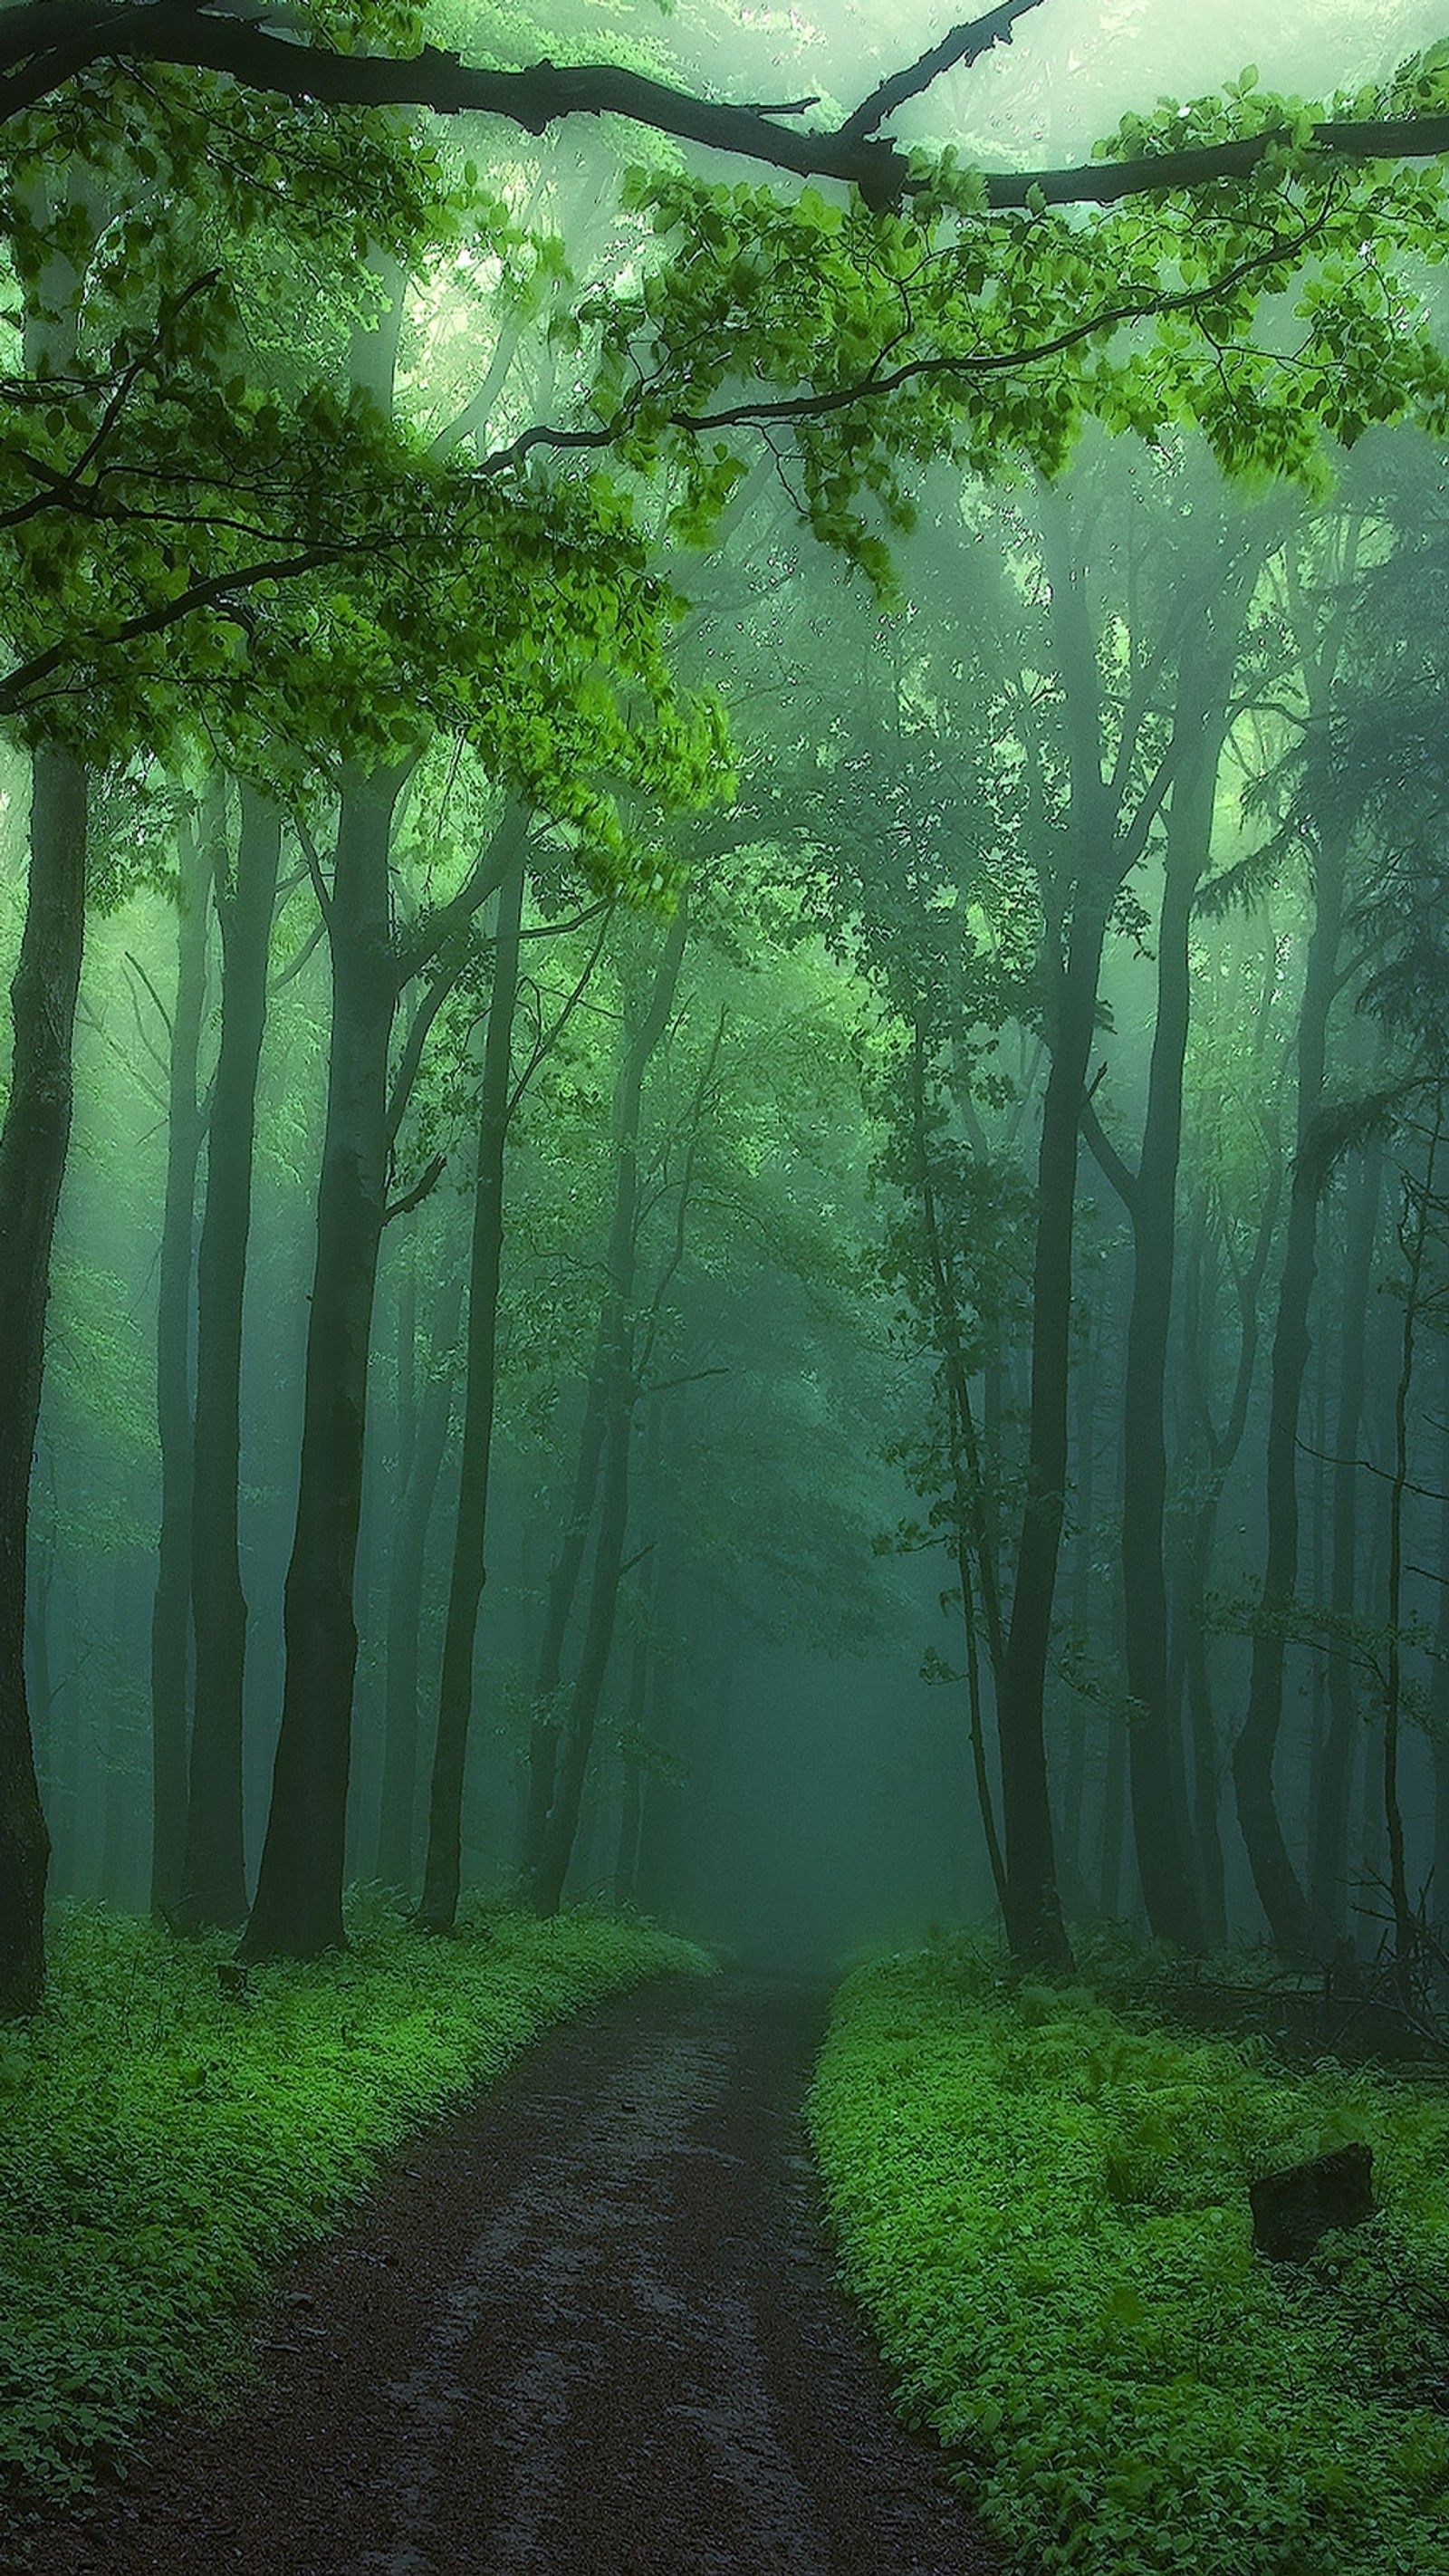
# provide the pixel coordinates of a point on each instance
(422, 1188)
(45, 43)
(22, 683)
(1114, 1169)
(964, 45)
(435, 930)
(965, 363)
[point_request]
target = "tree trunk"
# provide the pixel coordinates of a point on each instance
(1159, 1820)
(1414, 1239)
(1439, 1729)
(33, 1143)
(1274, 1876)
(297, 1912)
(578, 1734)
(971, 1543)
(1333, 1780)
(406, 1578)
(1033, 1911)
(563, 1583)
(442, 1876)
(171, 1611)
(608, 1419)
(214, 1882)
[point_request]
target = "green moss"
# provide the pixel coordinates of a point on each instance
(1045, 2213)
(163, 2145)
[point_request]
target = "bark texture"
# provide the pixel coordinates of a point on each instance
(33, 1145)
(297, 1911)
(443, 1874)
(214, 1879)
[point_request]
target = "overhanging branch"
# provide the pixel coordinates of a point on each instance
(45, 43)
(761, 410)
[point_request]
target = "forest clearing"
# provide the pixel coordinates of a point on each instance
(724, 1287)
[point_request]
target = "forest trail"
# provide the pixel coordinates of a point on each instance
(587, 2327)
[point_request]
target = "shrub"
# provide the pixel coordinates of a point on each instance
(1045, 2213)
(164, 2145)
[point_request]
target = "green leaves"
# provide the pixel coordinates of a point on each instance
(1045, 2212)
(161, 2149)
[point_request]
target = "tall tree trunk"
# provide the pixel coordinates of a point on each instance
(578, 1735)
(424, 1454)
(1332, 1788)
(1220, 1446)
(1079, 895)
(33, 1143)
(972, 1544)
(631, 1799)
(1414, 1239)
(442, 1876)
(1076, 1895)
(1159, 1820)
(171, 1610)
(1439, 1732)
(1280, 1894)
(214, 1880)
(1033, 1909)
(297, 1911)
(563, 1584)
(1202, 1732)
(610, 1405)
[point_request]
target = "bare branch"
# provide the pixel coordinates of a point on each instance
(964, 46)
(421, 1189)
(1113, 1166)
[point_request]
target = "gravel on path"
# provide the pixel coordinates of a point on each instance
(586, 2327)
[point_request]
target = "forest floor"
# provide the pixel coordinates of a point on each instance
(587, 2327)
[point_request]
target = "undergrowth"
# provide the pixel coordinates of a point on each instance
(163, 2143)
(1045, 2212)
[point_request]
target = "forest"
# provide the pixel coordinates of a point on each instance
(724, 1273)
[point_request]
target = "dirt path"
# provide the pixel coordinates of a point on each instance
(588, 2329)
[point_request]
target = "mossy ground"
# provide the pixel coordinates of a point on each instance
(163, 2144)
(1045, 2212)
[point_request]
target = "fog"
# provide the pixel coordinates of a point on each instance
(777, 1254)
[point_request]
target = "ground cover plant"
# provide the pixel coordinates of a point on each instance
(1044, 2210)
(167, 2135)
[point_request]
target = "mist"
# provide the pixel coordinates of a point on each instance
(724, 1192)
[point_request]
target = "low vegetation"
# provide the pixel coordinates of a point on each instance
(1044, 2210)
(167, 2135)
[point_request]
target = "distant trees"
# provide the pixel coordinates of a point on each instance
(229, 552)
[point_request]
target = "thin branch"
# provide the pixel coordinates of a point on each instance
(439, 929)
(133, 961)
(757, 414)
(1386, 1475)
(25, 679)
(448, 967)
(1119, 1173)
(421, 1189)
(547, 1040)
(667, 1385)
(957, 51)
(313, 857)
(310, 944)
